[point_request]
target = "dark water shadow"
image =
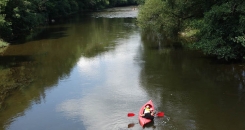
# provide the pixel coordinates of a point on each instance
(43, 33)
(51, 33)
(149, 125)
(14, 60)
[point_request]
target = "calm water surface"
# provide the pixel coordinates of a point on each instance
(89, 72)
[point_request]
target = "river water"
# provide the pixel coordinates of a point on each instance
(89, 72)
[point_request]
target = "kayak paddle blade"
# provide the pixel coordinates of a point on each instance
(160, 114)
(130, 114)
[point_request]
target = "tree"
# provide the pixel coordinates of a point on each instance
(222, 31)
(59, 8)
(151, 16)
(168, 16)
(221, 23)
(5, 28)
(23, 16)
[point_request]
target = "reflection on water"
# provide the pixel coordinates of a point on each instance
(108, 100)
(197, 92)
(90, 72)
(55, 58)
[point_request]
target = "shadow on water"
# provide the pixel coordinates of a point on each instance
(14, 60)
(148, 125)
(56, 30)
(51, 33)
(43, 33)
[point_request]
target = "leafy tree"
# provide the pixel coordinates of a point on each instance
(150, 15)
(222, 30)
(5, 30)
(168, 16)
(60, 8)
(220, 23)
(23, 16)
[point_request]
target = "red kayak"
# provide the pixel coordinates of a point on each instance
(142, 120)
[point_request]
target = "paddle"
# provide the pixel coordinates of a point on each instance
(159, 114)
(130, 114)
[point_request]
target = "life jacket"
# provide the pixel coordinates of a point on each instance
(147, 110)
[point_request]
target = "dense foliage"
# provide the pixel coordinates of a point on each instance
(222, 31)
(220, 23)
(168, 16)
(19, 17)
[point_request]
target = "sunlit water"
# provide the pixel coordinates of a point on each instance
(91, 71)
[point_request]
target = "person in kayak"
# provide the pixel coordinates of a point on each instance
(148, 112)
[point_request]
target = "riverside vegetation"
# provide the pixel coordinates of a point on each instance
(218, 24)
(215, 27)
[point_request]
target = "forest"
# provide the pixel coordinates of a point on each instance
(215, 27)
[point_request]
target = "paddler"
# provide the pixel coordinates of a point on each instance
(148, 112)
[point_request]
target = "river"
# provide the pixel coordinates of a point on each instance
(89, 71)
